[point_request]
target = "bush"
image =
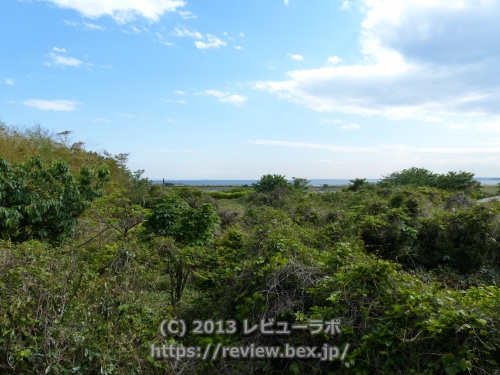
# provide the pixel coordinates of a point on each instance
(268, 183)
(452, 181)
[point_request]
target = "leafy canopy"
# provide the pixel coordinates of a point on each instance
(269, 182)
(451, 181)
(43, 202)
(174, 218)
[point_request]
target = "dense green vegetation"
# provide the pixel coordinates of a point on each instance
(93, 258)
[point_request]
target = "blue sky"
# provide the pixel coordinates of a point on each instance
(234, 89)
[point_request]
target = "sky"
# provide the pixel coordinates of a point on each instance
(235, 89)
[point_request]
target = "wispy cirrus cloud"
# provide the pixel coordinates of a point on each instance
(93, 26)
(87, 25)
(101, 119)
(180, 101)
(59, 58)
(389, 148)
(122, 11)
(187, 15)
(211, 42)
(182, 31)
(225, 97)
(53, 105)
(202, 41)
(9, 81)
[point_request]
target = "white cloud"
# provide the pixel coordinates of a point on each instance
(422, 59)
(135, 30)
(121, 11)
(388, 149)
(333, 60)
(181, 31)
(226, 97)
(350, 127)
(187, 15)
(9, 81)
(61, 60)
(285, 2)
(101, 119)
(52, 105)
(93, 26)
(180, 92)
(212, 42)
(181, 101)
(204, 42)
(88, 25)
(238, 47)
(345, 5)
(65, 60)
(328, 121)
(297, 57)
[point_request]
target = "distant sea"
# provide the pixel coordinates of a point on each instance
(314, 182)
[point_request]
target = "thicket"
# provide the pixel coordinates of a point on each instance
(94, 257)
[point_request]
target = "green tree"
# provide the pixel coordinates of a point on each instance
(173, 217)
(356, 184)
(187, 230)
(270, 182)
(38, 202)
(300, 183)
(452, 181)
(412, 176)
(456, 181)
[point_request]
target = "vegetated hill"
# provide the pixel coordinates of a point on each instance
(411, 270)
(17, 144)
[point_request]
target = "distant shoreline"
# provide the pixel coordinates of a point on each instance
(316, 183)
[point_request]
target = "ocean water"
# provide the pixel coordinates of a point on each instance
(314, 182)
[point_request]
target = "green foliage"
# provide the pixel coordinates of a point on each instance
(17, 144)
(452, 181)
(405, 326)
(173, 217)
(57, 316)
(268, 183)
(228, 195)
(300, 183)
(356, 184)
(411, 266)
(110, 218)
(413, 176)
(38, 202)
(178, 264)
(464, 239)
